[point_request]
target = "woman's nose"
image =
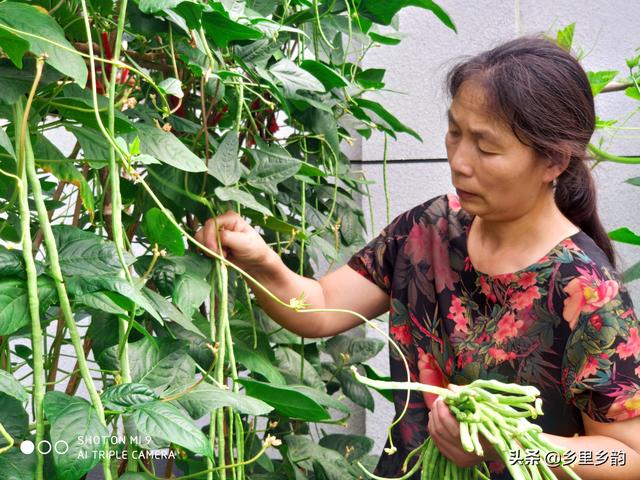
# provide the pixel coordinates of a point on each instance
(460, 159)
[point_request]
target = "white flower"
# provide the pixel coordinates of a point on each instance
(390, 451)
(271, 441)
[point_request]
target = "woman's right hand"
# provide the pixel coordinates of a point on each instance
(241, 243)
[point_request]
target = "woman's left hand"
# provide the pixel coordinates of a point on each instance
(444, 429)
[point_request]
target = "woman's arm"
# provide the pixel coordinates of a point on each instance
(342, 289)
(621, 436)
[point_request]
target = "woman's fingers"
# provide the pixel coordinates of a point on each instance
(448, 422)
(443, 427)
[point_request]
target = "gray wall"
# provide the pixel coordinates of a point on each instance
(418, 171)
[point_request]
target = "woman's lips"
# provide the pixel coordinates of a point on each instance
(464, 194)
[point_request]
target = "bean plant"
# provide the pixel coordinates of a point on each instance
(622, 83)
(125, 125)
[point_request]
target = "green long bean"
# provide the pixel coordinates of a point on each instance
(496, 410)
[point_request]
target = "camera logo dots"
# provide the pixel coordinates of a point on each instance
(27, 447)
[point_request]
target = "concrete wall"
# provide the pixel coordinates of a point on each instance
(418, 171)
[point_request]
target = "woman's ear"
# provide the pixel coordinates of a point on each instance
(556, 165)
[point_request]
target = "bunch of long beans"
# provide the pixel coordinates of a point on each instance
(499, 412)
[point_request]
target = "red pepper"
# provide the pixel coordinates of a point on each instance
(107, 51)
(273, 126)
(215, 119)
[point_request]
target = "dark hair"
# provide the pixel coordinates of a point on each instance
(541, 90)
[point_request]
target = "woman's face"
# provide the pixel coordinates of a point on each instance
(496, 176)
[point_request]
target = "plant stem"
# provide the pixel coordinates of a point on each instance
(32, 276)
(222, 273)
(385, 180)
(56, 273)
(116, 216)
(212, 325)
(612, 158)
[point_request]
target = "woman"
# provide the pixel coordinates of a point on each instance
(512, 278)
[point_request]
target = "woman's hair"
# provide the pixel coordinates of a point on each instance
(542, 92)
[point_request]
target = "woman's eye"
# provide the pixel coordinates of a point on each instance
(484, 152)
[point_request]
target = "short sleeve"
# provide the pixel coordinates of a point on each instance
(601, 362)
(376, 260)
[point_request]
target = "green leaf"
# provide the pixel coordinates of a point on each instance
(308, 170)
(16, 465)
(82, 284)
(256, 53)
(632, 273)
(354, 390)
(81, 110)
(387, 38)
(632, 92)
(352, 350)
(14, 46)
(75, 422)
(352, 447)
(222, 30)
(169, 312)
(108, 302)
(14, 83)
(159, 229)
(225, 164)
(94, 148)
(154, 6)
(599, 80)
(160, 369)
(564, 37)
(294, 78)
(371, 78)
(324, 123)
(128, 395)
(289, 362)
(601, 123)
(384, 118)
(164, 422)
(625, 235)
(286, 400)
(5, 142)
(304, 451)
(322, 398)
(234, 194)
(135, 476)
(14, 303)
(44, 36)
(64, 169)
(85, 253)
(190, 292)
(383, 12)
(633, 181)
(258, 363)
(191, 12)
(374, 375)
(206, 397)
(273, 164)
(12, 387)
(168, 149)
(327, 75)
(171, 86)
(13, 418)
(11, 262)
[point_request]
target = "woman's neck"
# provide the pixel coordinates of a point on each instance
(519, 240)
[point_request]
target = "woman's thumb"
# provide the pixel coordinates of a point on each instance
(231, 239)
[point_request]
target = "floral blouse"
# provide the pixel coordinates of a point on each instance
(565, 324)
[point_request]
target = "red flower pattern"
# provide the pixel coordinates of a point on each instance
(564, 324)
